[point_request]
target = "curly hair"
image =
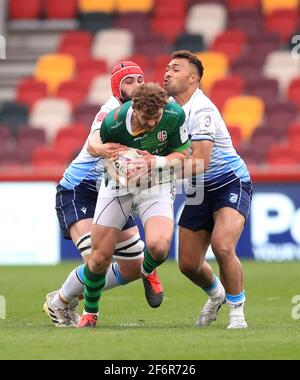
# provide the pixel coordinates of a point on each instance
(149, 98)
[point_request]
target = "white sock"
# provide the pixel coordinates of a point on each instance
(113, 277)
(215, 290)
(73, 286)
(236, 304)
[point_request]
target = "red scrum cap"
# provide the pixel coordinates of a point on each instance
(120, 72)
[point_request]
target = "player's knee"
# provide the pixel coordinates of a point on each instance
(223, 252)
(99, 263)
(186, 267)
(159, 249)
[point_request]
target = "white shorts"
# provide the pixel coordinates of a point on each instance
(114, 211)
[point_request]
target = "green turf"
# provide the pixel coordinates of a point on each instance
(129, 329)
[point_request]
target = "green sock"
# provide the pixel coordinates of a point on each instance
(149, 264)
(94, 283)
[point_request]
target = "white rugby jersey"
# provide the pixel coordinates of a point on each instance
(204, 122)
(86, 168)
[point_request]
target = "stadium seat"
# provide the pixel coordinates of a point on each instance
(280, 154)
(12, 114)
(163, 10)
(89, 6)
(5, 133)
(231, 42)
(268, 6)
(112, 45)
(25, 9)
(72, 137)
(30, 90)
(282, 66)
(85, 114)
(100, 90)
(249, 155)
(283, 22)
(187, 41)
(137, 23)
(55, 69)
(293, 130)
(73, 91)
(247, 112)
(57, 9)
(262, 45)
(209, 20)
(13, 160)
(250, 21)
(266, 89)
(94, 22)
(80, 53)
(225, 88)
(51, 115)
(245, 4)
(151, 45)
(82, 38)
(294, 92)
(28, 139)
(168, 27)
(90, 68)
(215, 67)
(236, 135)
(140, 60)
(280, 115)
(47, 156)
(79, 130)
(262, 140)
(133, 5)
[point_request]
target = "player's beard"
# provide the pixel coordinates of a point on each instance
(125, 97)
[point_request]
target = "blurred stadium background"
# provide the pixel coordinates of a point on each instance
(55, 76)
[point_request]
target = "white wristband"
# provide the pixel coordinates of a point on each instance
(160, 162)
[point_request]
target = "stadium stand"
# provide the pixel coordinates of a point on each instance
(61, 53)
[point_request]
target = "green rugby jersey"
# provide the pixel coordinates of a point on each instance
(170, 135)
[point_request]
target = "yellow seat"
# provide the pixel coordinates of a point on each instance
(247, 112)
(55, 69)
(134, 5)
(215, 67)
(105, 6)
(269, 6)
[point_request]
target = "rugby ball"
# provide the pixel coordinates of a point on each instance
(116, 169)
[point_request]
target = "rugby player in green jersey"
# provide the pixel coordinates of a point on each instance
(153, 125)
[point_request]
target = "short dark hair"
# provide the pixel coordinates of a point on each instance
(149, 97)
(192, 58)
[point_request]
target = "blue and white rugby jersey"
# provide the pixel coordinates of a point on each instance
(86, 169)
(204, 122)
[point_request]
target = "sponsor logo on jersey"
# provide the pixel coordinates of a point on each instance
(117, 113)
(162, 136)
(207, 121)
(233, 198)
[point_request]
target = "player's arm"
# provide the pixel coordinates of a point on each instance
(99, 148)
(203, 135)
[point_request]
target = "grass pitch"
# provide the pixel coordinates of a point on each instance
(129, 329)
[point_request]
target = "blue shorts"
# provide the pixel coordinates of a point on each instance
(77, 204)
(236, 195)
